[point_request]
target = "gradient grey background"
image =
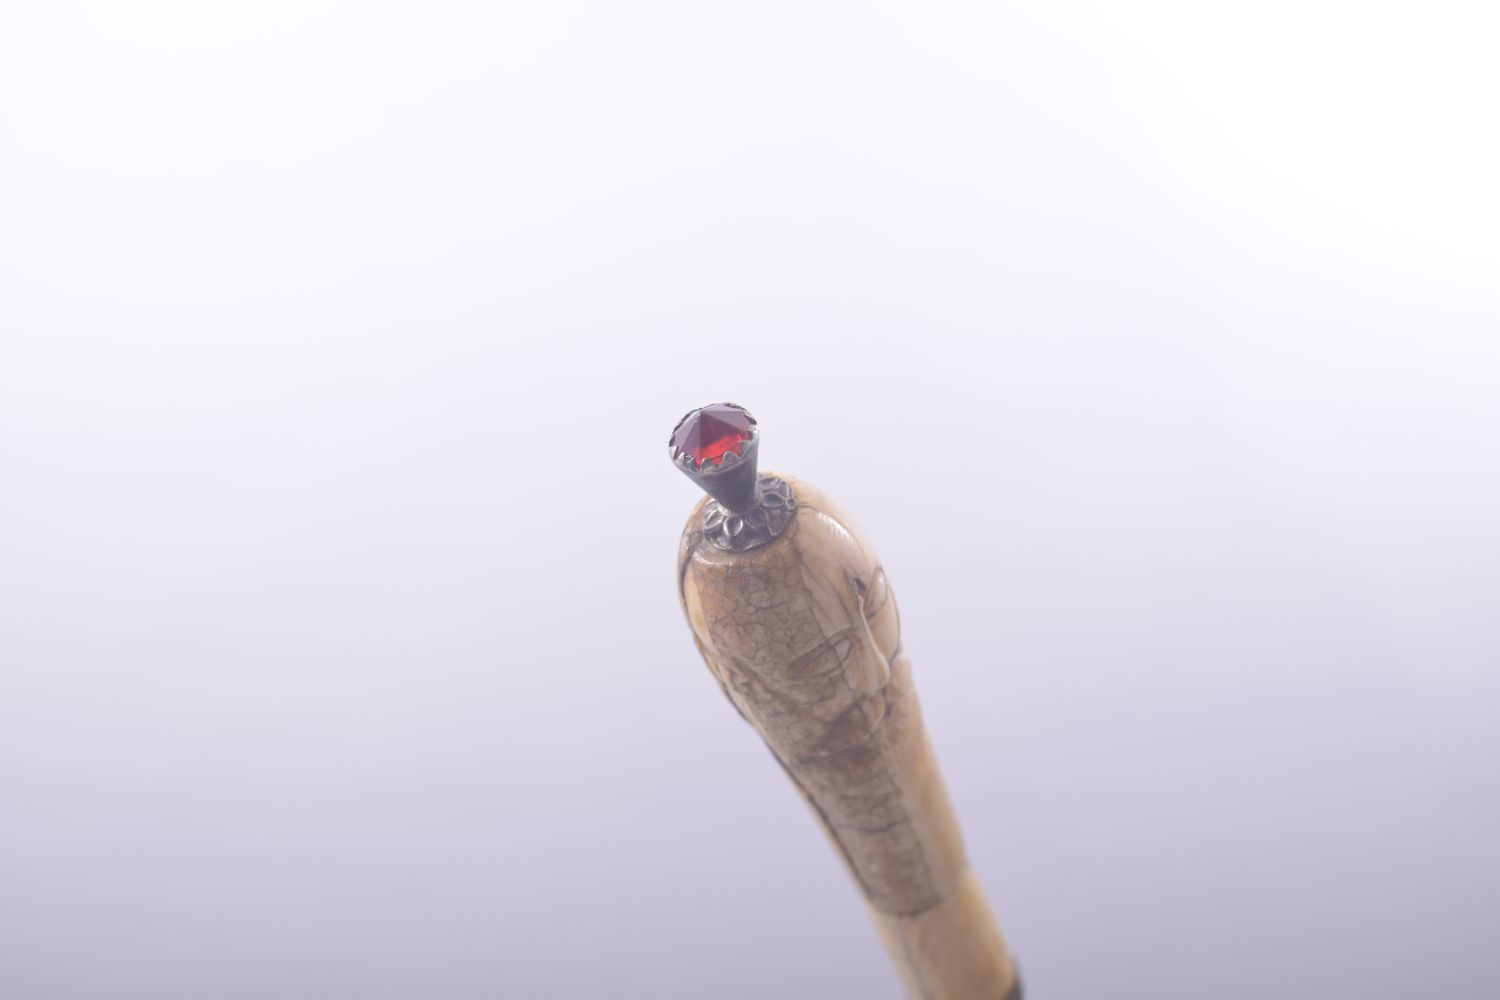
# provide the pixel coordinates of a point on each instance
(339, 345)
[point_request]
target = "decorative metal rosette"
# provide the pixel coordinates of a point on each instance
(740, 532)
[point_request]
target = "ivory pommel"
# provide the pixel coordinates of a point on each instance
(802, 634)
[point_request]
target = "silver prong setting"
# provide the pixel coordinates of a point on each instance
(746, 510)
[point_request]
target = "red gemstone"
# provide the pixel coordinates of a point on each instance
(711, 433)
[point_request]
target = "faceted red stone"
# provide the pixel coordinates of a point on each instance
(711, 433)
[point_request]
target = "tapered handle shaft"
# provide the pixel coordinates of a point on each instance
(803, 636)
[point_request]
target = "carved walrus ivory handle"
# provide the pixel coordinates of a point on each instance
(801, 632)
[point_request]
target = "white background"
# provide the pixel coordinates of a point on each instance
(1154, 345)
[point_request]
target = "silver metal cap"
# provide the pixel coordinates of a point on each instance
(718, 447)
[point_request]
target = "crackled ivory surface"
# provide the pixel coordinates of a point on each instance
(803, 636)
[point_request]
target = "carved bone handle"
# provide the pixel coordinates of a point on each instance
(802, 634)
